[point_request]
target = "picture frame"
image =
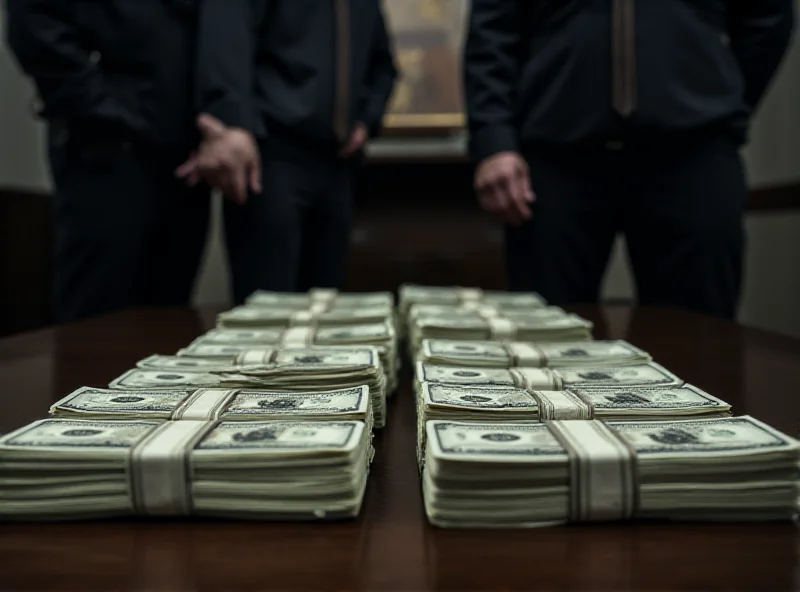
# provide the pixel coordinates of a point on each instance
(428, 37)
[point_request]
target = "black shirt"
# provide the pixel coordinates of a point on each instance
(111, 66)
(270, 66)
(546, 71)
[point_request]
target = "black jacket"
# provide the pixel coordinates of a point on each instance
(269, 66)
(110, 66)
(544, 70)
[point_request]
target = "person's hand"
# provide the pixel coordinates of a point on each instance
(358, 139)
(503, 185)
(228, 158)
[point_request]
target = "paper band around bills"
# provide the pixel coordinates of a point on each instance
(304, 317)
(158, 468)
(603, 484)
(470, 294)
(501, 329)
(536, 379)
(323, 295)
(561, 405)
(298, 337)
(204, 404)
(525, 354)
(257, 357)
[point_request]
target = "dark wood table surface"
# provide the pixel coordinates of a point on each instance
(391, 546)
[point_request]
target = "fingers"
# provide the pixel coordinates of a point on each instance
(497, 198)
(518, 197)
(210, 126)
(188, 167)
(255, 176)
(530, 196)
(504, 188)
(350, 148)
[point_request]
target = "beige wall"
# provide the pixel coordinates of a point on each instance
(773, 157)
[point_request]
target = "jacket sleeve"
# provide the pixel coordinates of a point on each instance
(381, 77)
(491, 69)
(227, 40)
(44, 38)
(759, 31)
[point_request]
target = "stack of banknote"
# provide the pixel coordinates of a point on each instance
(316, 307)
(457, 296)
(488, 404)
(72, 469)
(249, 316)
(505, 475)
(295, 370)
(317, 296)
(647, 374)
(217, 404)
(492, 354)
(225, 343)
(546, 324)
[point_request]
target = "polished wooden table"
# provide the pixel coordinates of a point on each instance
(391, 546)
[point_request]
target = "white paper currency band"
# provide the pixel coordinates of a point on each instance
(324, 295)
(602, 472)
(256, 357)
(205, 404)
(486, 311)
(470, 294)
(159, 471)
(536, 379)
(561, 405)
(297, 337)
(306, 317)
(500, 328)
(525, 354)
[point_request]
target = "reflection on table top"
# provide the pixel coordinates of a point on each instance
(391, 546)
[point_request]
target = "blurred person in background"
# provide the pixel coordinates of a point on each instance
(593, 117)
(115, 82)
(290, 92)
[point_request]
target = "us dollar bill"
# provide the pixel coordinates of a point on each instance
(410, 294)
(669, 401)
(686, 437)
(371, 333)
(216, 358)
(333, 298)
(506, 355)
(50, 435)
(650, 374)
(251, 316)
(165, 379)
(213, 404)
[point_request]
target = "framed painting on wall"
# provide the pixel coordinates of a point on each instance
(428, 37)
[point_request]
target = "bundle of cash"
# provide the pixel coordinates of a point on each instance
(492, 354)
(539, 325)
(217, 404)
(330, 297)
(249, 316)
(452, 296)
(282, 370)
(526, 474)
(550, 379)
(225, 343)
(510, 403)
(71, 469)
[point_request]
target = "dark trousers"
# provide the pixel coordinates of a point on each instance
(127, 232)
(295, 234)
(679, 204)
